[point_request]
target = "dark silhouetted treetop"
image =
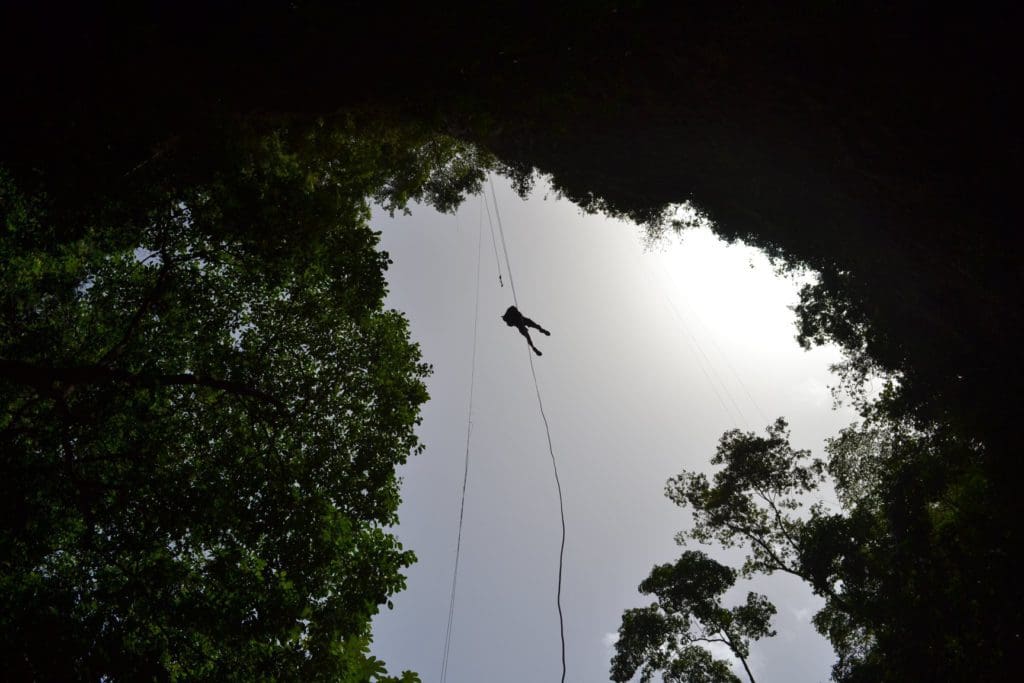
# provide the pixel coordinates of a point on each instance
(671, 635)
(904, 564)
(751, 500)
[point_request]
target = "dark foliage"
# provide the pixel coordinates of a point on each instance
(667, 636)
(905, 568)
(202, 405)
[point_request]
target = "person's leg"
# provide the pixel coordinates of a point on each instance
(522, 329)
(530, 323)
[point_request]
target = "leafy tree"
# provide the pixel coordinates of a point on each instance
(667, 635)
(914, 556)
(202, 405)
(752, 498)
(903, 567)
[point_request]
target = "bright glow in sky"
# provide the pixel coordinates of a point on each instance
(652, 356)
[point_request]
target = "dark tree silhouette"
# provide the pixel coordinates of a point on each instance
(200, 422)
(900, 565)
(670, 635)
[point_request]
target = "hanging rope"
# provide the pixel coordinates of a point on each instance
(561, 511)
(692, 339)
(732, 369)
(724, 357)
(504, 247)
(547, 430)
(494, 240)
(465, 467)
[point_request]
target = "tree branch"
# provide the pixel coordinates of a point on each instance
(236, 388)
(151, 298)
(743, 660)
(779, 564)
(783, 567)
(709, 640)
(783, 524)
(44, 379)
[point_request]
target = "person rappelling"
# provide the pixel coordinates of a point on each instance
(513, 318)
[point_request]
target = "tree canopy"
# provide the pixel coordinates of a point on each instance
(667, 636)
(200, 422)
(908, 565)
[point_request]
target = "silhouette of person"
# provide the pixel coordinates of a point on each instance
(513, 318)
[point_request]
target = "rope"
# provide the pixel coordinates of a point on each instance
(739, 416)
(696, 346)
(465, 469)
(494, 240)
(547, 430)
(501, 231)
(561, 510)
(711, 365)
(728, 363)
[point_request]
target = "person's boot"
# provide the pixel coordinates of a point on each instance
(537, 351)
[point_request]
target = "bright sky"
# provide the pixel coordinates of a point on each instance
(653, 354)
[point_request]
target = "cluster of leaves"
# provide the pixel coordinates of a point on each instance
(202, 405)
(666, 636)
(905, 567)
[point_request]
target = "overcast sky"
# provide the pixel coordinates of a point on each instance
(653, 354)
